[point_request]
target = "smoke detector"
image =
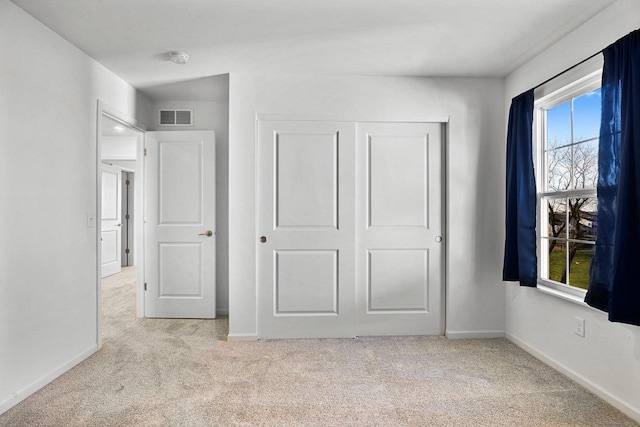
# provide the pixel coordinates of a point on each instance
(179, 57)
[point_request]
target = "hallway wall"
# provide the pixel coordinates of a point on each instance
(48, 112)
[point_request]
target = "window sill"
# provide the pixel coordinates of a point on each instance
(563, 295)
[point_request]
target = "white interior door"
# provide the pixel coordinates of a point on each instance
(110, 237)
(399, 229)
(306, 219)
(179, 230)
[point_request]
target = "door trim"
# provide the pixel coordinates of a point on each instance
(129, 121)
(351, 119)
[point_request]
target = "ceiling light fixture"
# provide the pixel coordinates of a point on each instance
(179, 57)
(118, 128)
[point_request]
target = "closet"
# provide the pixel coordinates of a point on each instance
(350, 229)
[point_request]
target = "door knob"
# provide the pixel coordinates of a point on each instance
(438, 239)
(263, 239)
(119, 225)
(207, 233)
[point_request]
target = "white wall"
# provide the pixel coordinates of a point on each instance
(47, 186)
(475, 301)
(210, 115)
(607, 359)
(119, 147)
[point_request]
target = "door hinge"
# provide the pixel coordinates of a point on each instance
(145, 151)
(126, 251)
(127, 182)
(145, 286)
(126, 216)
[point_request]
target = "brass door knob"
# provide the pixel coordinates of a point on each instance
(263, 239)
(207, 233)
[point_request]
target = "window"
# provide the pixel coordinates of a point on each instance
(567, 130)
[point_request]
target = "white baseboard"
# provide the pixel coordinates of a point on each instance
(624, 407)
(242, 337)
(21, 395)
(464, 335)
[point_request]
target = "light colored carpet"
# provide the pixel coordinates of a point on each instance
(184, 373)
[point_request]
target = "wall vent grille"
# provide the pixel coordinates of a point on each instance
(176, 117)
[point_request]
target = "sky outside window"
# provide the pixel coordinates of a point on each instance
(586, 116)
(586, 120)
(571, 155)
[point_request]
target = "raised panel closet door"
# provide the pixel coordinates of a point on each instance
(399, 250)
(306, 228)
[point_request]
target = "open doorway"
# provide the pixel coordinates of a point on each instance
(120, 221)
(118, 169)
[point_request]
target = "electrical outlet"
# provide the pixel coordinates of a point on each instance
(579, 326)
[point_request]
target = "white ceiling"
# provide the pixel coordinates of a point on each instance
(357, 37)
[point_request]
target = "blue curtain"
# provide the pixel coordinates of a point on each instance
(520, 259)
(615, 270)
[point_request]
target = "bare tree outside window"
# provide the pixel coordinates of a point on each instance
(571, 164)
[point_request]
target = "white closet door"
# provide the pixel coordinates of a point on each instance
(399, 229)
(180, 247)
(305, 232)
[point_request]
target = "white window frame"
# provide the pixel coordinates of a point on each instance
(547, 97)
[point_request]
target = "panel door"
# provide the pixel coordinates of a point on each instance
(110, 234)
(179, 230)
(399, 229)
(306, 219)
